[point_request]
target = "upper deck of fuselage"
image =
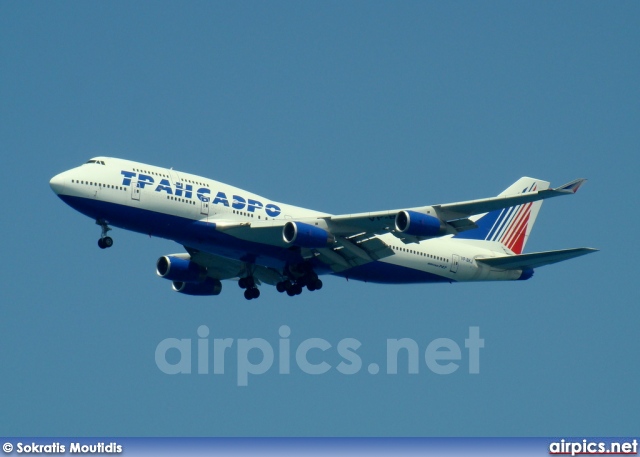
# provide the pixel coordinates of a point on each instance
(171, 184)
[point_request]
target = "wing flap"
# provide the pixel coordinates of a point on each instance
(376, 222)
(217, 267)
(222, 268)
(357, 250)
(462, 225)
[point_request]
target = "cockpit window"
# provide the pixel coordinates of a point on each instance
(91, 161)
(98, 162)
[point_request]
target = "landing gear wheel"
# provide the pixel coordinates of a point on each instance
(246, 282)
(281, 286)
(252, 293)
(104, 241)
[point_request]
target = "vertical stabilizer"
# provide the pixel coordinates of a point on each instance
(510, 226)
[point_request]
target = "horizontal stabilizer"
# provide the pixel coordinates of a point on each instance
(534, 259)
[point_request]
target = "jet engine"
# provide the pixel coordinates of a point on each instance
(306, 236)
(208, 287)
(180, 270)
(418, 224)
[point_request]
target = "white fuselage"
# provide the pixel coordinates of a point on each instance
(166, 203)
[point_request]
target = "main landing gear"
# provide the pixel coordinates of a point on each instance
(249, 284)
(104, 241)
(310, 280)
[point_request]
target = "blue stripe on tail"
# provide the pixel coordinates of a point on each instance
(492, 223)
(487, 224)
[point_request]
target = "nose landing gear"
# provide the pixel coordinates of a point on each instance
(104, 241)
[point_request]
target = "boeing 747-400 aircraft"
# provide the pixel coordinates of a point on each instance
(229, 233)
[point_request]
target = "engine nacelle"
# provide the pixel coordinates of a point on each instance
(306, 236)
(180, 270)
(209, 287)
(418, 224)
(527, 273)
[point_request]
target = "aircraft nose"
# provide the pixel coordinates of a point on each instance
(57, 183)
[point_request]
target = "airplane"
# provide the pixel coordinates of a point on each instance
(232, 234)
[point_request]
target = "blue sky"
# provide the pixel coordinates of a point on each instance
(340, 107)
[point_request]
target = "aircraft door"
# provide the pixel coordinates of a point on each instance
(455, 261)
(204, 205)
(175, 177)
(135, 190)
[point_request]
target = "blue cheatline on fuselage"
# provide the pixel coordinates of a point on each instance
(204, 237)
(289, 246)
(388, 273)
(188, 232)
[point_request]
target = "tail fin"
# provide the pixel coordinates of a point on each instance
(510, 226)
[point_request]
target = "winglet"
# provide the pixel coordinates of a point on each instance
(571, 187)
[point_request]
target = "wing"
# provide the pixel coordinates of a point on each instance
(469, 208)
(222, 268)
(454, 216)
(347, 250)
(346, 241)
(534, 259)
